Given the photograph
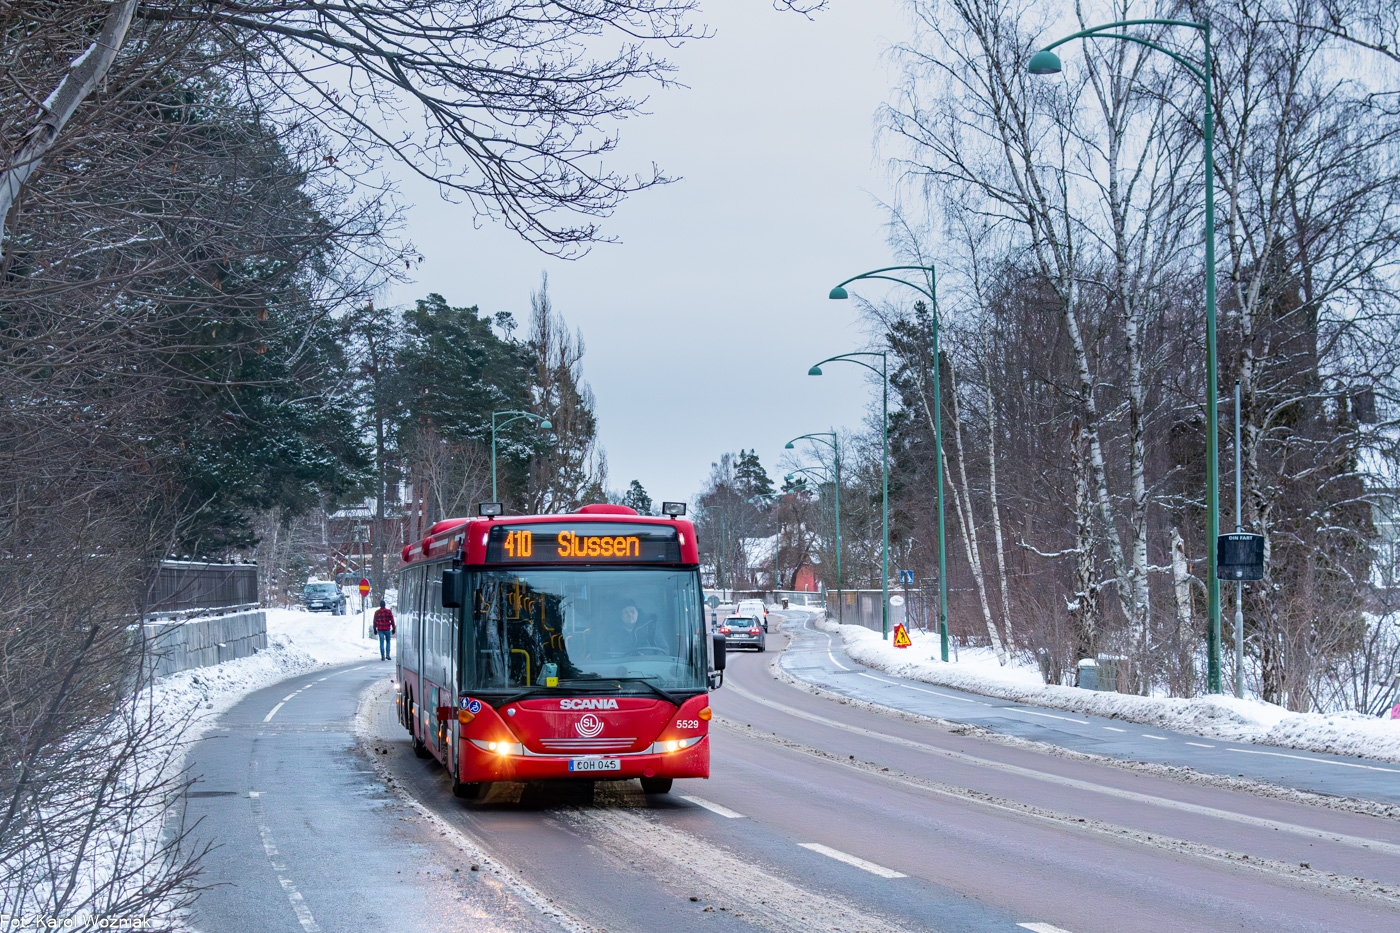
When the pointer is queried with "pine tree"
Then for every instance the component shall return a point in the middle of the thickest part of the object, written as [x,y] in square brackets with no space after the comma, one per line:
[636,497]
[751,478]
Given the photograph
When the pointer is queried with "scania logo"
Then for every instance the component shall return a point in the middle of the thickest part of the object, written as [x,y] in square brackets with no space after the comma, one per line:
[590,703]
[589,725]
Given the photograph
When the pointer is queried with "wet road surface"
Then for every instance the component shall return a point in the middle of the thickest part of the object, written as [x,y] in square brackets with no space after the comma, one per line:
[819,815]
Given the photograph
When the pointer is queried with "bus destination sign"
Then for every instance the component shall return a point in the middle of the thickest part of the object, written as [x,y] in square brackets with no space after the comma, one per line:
[582,543]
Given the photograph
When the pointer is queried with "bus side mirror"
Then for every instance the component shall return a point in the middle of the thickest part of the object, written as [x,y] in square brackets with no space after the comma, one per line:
[720,646]
[452,586]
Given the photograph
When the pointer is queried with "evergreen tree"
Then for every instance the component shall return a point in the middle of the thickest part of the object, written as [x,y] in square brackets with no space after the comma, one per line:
[750,477]
[636,497]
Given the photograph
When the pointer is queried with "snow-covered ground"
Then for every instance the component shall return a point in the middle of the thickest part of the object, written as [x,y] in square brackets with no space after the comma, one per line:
[1221,717]
[297,641]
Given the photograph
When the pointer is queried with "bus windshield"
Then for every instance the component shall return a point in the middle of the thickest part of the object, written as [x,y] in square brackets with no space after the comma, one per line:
[620,630]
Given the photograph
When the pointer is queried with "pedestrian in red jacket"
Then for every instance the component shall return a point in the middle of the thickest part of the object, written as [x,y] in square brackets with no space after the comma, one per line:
[384,627]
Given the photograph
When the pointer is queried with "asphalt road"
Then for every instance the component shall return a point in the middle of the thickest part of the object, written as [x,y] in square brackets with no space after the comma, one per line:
[820,815]
[816,657]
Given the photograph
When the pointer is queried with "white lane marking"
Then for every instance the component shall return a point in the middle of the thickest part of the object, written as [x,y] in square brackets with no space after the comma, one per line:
[274,711]
[1320,761]
[1200,745]
[712,807]
[288,697]
[304,917]
[319,679]
[1308,832]
[808,625]
[895,683]
[849,859]
[1042,928]
[1031,712]
[360,668]
[1114,729]
[1159,738]
[253,793]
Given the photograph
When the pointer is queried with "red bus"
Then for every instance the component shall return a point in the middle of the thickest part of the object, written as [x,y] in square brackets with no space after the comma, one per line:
[548,647]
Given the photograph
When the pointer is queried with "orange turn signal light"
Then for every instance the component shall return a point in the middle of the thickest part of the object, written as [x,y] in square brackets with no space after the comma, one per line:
[465,717]
[705,714]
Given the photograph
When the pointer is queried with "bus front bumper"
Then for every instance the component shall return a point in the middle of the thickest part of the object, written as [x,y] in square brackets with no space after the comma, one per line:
[481,765]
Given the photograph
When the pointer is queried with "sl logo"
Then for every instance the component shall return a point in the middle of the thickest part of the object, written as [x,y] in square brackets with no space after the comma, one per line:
[589,725]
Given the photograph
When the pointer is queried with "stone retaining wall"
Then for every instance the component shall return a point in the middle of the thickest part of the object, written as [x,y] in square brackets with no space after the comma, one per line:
[180,646]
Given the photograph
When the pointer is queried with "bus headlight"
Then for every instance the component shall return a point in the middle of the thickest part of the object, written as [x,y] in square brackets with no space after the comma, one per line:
[674,745]
[499,748]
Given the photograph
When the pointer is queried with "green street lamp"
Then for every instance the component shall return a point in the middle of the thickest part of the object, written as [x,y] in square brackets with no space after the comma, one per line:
[839,292]
[884,374]
[835,445]
[544,426]
[1047,62]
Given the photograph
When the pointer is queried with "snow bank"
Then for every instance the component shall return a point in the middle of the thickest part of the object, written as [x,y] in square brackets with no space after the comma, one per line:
[1220,717]
[297,641]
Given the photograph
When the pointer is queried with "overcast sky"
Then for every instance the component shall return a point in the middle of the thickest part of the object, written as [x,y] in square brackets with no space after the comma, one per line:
[701,322]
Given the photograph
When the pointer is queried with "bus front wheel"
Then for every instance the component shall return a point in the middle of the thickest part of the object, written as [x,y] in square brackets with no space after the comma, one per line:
[471,791]
[656,785]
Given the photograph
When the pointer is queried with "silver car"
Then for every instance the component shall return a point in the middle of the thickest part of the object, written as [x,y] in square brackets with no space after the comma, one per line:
[742,631]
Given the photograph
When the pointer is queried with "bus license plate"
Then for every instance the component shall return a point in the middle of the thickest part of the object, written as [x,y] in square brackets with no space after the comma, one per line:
[595,764]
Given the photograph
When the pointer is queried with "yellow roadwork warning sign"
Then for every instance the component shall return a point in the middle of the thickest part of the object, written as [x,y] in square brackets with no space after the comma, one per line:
[901,637]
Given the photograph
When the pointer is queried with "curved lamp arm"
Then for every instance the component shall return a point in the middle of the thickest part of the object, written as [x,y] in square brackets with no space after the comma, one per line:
[847,357]
[1044,62]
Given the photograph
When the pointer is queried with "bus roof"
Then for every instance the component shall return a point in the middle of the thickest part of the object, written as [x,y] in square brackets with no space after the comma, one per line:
[467,536]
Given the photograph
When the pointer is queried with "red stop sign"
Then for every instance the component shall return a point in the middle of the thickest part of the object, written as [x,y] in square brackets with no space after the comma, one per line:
[364,587]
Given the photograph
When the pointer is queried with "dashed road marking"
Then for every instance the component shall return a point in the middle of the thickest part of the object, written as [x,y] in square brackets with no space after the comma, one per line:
[1159,738]
[895,683]
[1200,745]
[274,858]
[1031,712]
[268,717]
[1114,729]
[849,859]
[1042,928]
[712,807]
[1321,761]
[289,696]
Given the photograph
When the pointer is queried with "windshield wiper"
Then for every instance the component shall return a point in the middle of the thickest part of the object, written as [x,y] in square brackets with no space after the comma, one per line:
[644,681]
[524,694]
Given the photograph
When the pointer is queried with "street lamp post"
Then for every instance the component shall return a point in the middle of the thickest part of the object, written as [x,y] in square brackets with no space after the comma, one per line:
[884,374]
[835,445]
[839,292]
[1047,62]
[544,426]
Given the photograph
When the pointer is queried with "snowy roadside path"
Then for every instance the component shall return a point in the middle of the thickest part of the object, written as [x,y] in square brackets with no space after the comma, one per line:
[297,642]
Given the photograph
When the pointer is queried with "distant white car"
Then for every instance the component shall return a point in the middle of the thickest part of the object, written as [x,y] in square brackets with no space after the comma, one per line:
[754,608]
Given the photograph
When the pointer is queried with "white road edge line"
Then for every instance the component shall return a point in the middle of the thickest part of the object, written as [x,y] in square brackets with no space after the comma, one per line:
[1042,928]
[274,712]
[849,859]
[712,807]
[1321,761]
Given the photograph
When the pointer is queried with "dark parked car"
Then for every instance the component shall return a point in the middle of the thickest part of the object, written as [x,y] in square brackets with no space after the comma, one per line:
[321,596]
[741,631]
